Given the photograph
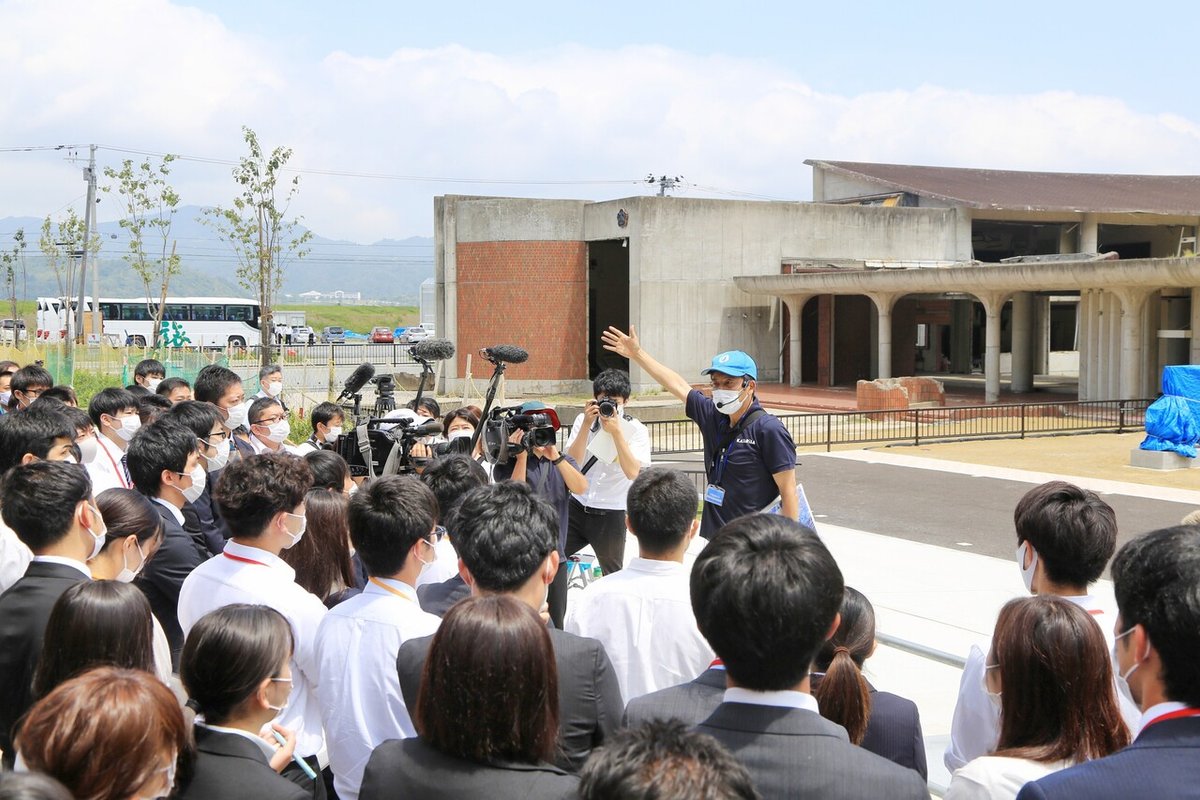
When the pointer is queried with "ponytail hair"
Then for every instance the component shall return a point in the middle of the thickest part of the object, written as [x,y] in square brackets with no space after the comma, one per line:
[843,694]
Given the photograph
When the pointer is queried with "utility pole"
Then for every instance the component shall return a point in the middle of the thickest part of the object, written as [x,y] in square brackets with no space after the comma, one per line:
[89,175]
[664,183]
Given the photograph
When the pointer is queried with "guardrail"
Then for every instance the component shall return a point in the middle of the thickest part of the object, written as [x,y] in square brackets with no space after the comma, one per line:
[916,425]
[342,355]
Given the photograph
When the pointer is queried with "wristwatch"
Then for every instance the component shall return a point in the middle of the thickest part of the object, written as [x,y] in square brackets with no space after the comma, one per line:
[561,458]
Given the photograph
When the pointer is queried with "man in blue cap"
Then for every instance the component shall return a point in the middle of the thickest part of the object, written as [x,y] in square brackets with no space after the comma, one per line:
[749,457]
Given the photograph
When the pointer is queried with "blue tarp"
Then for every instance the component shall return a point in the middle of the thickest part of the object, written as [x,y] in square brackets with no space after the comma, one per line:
[1173,420]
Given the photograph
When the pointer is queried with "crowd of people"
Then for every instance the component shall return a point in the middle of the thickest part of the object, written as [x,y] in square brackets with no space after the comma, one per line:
[193,606]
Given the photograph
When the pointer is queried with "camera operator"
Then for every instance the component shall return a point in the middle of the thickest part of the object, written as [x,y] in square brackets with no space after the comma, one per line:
[554,476]
[597,516]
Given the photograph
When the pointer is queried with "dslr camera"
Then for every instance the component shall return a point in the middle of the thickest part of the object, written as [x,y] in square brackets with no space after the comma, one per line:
[607,408]
[540,425]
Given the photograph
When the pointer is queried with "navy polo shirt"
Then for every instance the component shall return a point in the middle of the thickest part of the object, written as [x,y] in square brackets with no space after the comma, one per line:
[760,450]
[548,482]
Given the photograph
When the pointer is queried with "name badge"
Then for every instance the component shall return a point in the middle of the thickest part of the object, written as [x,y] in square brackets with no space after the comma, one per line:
[714,495]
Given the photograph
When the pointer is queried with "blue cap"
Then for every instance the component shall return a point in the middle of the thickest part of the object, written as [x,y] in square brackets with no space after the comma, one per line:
[734,363]
[532,405]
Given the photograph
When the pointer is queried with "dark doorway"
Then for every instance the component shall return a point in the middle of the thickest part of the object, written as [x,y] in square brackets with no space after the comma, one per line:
[608,300]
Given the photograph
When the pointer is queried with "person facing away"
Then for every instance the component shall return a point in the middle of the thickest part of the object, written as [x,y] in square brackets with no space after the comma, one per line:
[643,614]
[392,527]
[766,594]
[486,714]
[1157,638]
[884,723]
[1065,537]
[1049,671]
[450,478]
[507,540]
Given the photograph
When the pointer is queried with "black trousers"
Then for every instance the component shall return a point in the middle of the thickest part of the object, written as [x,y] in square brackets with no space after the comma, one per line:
[604,530]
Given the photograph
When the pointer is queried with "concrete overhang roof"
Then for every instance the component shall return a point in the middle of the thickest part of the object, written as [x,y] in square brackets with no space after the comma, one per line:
[1146,273]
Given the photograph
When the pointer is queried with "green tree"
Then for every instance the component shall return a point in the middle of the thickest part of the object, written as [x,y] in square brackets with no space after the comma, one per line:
[149,209]
[62,244]
[257,228]
[9,260]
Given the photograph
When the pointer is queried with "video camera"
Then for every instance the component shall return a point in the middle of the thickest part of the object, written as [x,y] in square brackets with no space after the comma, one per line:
[540,425]
[389,442]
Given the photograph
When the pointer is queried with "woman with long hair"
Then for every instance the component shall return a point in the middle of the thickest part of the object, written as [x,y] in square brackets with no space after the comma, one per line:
[108,734]
[490,663]
[235,670]
[321,558]
[884,723]
[330,471]
[95,623]
[1050,672]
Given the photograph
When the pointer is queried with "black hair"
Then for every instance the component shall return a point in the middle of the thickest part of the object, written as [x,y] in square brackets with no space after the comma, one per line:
[663,760]
[163,445]
[1156,578]
[259,407]
[450,478]
[466,413]
[428,404]
[152,406]
[329,470]
[325,413]
[195,416]
[612,383]
[503,533]
[128,513]
[149,366]
[171,384]
[79,419]
[63,393]
[387,517]
[40,500]
[28,377]
[662,506]
[34,431]
[109,402]
[137,390]
[1072,529]
[843,695]
[765,592]
[254,489]
[229,652]
[212,382]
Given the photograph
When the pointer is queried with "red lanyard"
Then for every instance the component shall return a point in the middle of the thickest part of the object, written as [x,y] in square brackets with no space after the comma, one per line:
[1180,714]
[116,467]
[244,560]
[716,662]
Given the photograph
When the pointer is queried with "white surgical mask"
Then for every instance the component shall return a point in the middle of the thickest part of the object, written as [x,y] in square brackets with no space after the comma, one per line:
[237,416]
[193,492]
[274,388]
[5,398]
[88,448]
[1122,680]
[152,384]
[353,489]
[425,565]
[278,431]
[126,575]
[220,459]
[333,433]
[726,400]
[126,426]
[1027,572]
[461,433]
[98,539]
[298,535]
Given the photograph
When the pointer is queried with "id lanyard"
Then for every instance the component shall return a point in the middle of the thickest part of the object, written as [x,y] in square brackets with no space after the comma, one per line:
[1180,714]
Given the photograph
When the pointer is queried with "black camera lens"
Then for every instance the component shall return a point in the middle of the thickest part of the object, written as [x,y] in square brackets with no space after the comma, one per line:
[607,408]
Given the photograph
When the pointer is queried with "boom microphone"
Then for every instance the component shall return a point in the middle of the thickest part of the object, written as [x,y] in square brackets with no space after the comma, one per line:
[357,380]
[507,353]
[433,350]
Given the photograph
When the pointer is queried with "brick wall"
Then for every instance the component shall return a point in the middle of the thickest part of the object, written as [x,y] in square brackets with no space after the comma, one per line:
[530,294]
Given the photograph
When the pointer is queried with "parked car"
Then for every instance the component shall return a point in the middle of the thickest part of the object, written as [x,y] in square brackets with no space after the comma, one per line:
[414,334]
[382,334]
[7,329]
[333,335]
[302,334]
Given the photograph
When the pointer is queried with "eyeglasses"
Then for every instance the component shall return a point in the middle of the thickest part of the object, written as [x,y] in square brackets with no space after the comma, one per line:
[220,436]
[438,534]
[269,420]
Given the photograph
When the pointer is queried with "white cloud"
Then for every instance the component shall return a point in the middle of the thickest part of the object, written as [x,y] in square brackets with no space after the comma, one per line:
[148,74]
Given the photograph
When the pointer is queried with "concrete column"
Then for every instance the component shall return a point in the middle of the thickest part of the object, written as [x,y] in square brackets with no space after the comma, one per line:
[1133,303]
[1089,234]
[1066,238]
[993,302]
[1112,332]
[883,305]
[1022,343]
[1195,359]
[795,305]
[962,322]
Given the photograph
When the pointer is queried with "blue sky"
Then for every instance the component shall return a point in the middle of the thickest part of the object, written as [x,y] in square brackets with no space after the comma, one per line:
[539,95]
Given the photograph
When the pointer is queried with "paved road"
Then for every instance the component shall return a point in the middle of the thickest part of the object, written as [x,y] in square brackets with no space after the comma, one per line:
[942,508]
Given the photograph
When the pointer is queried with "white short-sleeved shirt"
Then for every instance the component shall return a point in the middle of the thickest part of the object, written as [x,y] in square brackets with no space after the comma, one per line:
[244,574]
[360,697]
[105,469]
[14,557]
[997,777]
[643,617]
[607,483]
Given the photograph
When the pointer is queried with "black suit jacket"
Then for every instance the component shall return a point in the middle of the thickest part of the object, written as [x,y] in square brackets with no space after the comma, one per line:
[894,731]
[411,768]
[180,552]
[228,765]
[589,696]
[24,612]
[1164,761]
[437,598]
[689,702]
[792,752]
[208,516]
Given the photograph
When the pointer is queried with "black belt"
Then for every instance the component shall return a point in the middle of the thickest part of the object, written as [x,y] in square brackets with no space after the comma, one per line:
[597,511]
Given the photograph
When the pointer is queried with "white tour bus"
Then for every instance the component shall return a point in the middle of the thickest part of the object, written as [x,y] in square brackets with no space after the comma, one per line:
[191,321]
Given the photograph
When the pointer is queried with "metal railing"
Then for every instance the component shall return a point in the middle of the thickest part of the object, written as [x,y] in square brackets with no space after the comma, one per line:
[916,425]
[342,355]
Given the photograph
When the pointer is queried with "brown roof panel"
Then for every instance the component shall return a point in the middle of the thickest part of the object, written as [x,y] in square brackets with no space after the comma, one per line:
[1033,191]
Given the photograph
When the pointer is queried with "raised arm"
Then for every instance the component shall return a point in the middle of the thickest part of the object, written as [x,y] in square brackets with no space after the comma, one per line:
[627,345]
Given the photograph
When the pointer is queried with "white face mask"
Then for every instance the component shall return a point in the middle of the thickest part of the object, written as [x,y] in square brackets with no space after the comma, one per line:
[298,535]
[333,433]
[726,400]
[5,398]
[237,416]
[98,539]
[199,479]
[1123,679]
[219,460]
[88,448]
[152,384]
[125,427]
[1027,572]
[425,565]
[126,575]
[274,388]
[278,431]
[353,489]
[461,433]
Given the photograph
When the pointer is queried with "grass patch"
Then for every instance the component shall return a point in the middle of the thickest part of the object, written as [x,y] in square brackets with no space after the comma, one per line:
[359,319]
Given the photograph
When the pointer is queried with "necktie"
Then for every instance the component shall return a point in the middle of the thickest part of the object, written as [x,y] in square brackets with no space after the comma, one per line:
[125,471]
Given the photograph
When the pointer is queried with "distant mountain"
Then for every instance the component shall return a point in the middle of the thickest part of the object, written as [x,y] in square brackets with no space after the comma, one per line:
[386,270]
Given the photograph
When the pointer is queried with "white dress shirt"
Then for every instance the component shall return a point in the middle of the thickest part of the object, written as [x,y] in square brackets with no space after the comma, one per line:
[1157,710]
[975,728]
[361,702]
[444,566]
[607,483]
[176,511]
[225,580]
[259,448]
[66,562]
[998,777]
[105,469]
[267,749]
[14,557]
[643,617]
[780,699]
